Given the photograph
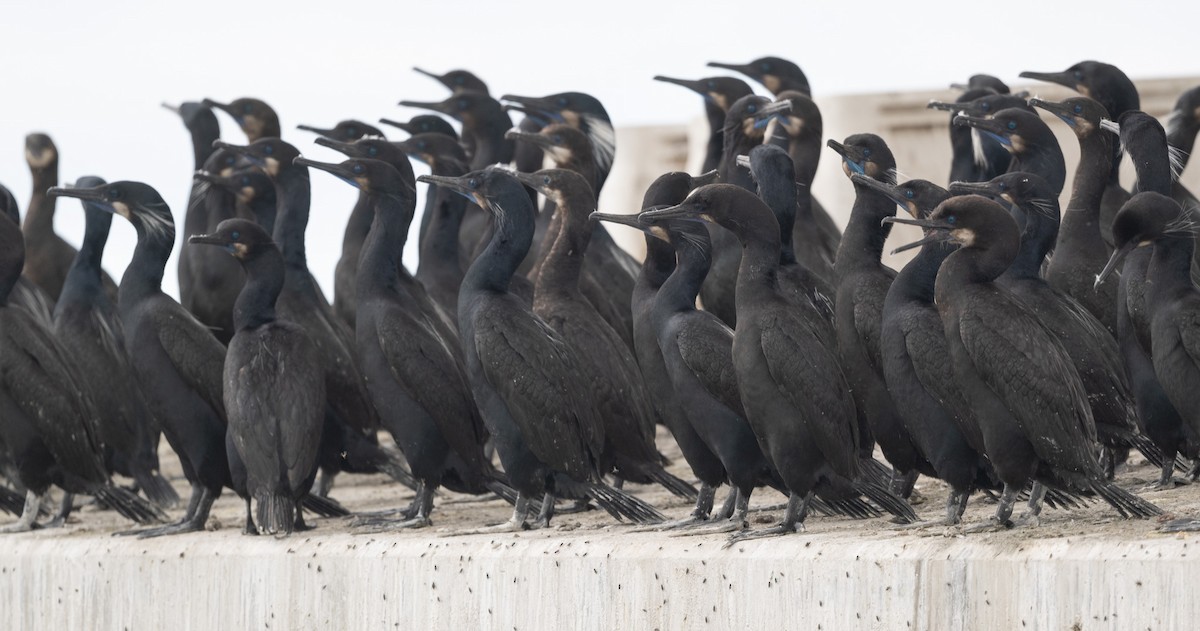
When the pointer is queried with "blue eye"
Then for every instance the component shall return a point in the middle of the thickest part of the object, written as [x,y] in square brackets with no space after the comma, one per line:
[420,144]
[562,101]
[950,219]
[114,193]
[473,183]
[985,106]
[268,149]
[1012,125]
[462,104]
[230,160]
[765,67]
[358,169]
[236,235]
[247,108]
[352,131]
[546,180]
[1002,186]
[1078,75]
[245,180]
[752,108]
[372,151]
[908,193]
[1078,109]
[556,139]
[711,85]
[458,80]
[866,153]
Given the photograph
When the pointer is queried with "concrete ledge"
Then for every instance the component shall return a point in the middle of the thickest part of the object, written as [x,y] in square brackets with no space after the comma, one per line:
[600,579]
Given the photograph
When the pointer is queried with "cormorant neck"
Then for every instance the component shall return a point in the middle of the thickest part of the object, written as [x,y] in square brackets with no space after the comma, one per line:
[1037,239]
[1183,138]
[916,280]
[862,242]
[255,305]
[962,148]
[513,234]
[761,249]
[85,278]
[145,272]
[202,145]
[379,263]
[658,264]
[679,291]
[737,143]
[805,151]
[293,194]
[441,236]
[973,265]
[1045,160]
[359,223]
[780,196]
[716,135]
[39,216]
[1170,267]
[491,147]
[562,264]
[1091,177]
[1153,167]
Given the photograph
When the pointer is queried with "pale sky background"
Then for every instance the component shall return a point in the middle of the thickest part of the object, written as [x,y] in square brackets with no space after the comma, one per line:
[92,74]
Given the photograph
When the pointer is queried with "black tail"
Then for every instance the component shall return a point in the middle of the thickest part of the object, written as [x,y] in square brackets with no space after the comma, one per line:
[276,514]
[882,495]
[876,471]
[502,490]
[854,508]
[671,483]
[323,506]
[1061,500]
[1126,503]
[621,505]
[11,501]
[1148,449]
[156,488]
[129,505]
[391,462]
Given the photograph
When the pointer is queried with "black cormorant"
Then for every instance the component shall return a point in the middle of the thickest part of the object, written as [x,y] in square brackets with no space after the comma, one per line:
[775,74]
[719,93]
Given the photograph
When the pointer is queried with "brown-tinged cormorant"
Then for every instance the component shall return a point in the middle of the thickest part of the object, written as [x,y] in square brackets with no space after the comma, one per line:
[1028,138]
[254,116]
[775,74]
[719,94]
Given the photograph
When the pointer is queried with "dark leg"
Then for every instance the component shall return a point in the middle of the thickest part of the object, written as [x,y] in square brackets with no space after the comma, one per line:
[547,512]
[324,483]
[517,523]
[735,522]
[700,514]
[64,511]
[421,507]
[250,528]
[300,526]
[27,522]
[618,482]
[956,505]
[793,521]
[385,517]
[1109,462]
[1032,517]
[1003,512]
[902,484]
[727,506]
[195,523]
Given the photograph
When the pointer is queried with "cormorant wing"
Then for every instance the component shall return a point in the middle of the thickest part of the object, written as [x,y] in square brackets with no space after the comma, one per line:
[197,355]
[789,348]
[1030,371]
[868,321]
[425,368]
[925,342]
[1189,330]
[36,376]
[526,362]
[707,350]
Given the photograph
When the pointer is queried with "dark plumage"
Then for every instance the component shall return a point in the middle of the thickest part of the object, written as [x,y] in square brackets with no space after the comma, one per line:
[25,294]
[775,74]
[719,93]
[976,157]
[1026,136]
[526,381]
[1031,406]
[423,124]
[256,118]
[177,361]
[274,387]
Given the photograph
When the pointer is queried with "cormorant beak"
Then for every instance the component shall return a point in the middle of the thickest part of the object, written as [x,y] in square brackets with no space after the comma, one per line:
[944,106]
[973,188]
[838,147]
[536,140]
[695,86]
[205,176]
[173,108]
[534,106]
[937,231]
[704,179]
[328,167]
[224,107]
[1054,108]
[529,180]
[336,145]
[763,116]
[458,185]
[1111,127]
[316,130]
[883,188]
[397,124]
[207,239]
[633,221]
[1113,261]
[683,210]
[743,161]
[960,86]
[1059,78]
[440,107]
[240,150]
[94,194]
[852,156]
[742,68]
[436,77]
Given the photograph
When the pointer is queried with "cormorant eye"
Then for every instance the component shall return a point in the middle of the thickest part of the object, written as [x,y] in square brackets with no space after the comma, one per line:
[235,235]
[711,85]
[424,126]
[114,193]
[245,180]
[1078,109]
[372,151]
[950,219]
[1002,186]
[866,153]
[473,183]
[247,108]
[358,169]
[765,67]
[1078,75]
[458,80]
[1012,125]
[546,180]
[353,131]
[908,193]
[985,106]
[230,160]
[752,108]
[420,144]
[557,139]
[562,101]
[462,104]
[269,149]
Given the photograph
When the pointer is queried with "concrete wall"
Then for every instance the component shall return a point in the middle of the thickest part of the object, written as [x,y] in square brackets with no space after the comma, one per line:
[597,580]
[919,138]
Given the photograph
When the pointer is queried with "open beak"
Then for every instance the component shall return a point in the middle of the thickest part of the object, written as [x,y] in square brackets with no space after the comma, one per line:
[937,231]
[1113,262]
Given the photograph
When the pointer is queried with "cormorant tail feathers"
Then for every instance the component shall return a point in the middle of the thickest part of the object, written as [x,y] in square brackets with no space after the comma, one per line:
[129,505]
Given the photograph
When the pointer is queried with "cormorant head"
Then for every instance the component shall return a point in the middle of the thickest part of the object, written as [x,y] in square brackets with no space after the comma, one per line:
[465,107]
[982,82]
[970,221]
[435,150]
[223,162]
[671,188]
[8,205]
[1185,117]
[1144,219]
[255,117]
[137,202]
[245,184]
[1143,136]
[423,124]
[375,177]
[768,163]
[1081,113]
[457,81]
[581,111]
[1015,129]
[720,91]
[774,73]
[867,154]
[1089,78]
[242,238]
[917,197]
[40,152]
[561,142]
[345,131]
[557,184]
[1029,192]
[272,155]
[726,205]
[803,120]
[753,113]
[373,149]
[983,105]
[483,186]
[197,117]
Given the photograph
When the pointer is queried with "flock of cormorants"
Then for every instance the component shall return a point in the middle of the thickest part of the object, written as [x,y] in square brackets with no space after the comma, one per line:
[1023,352]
